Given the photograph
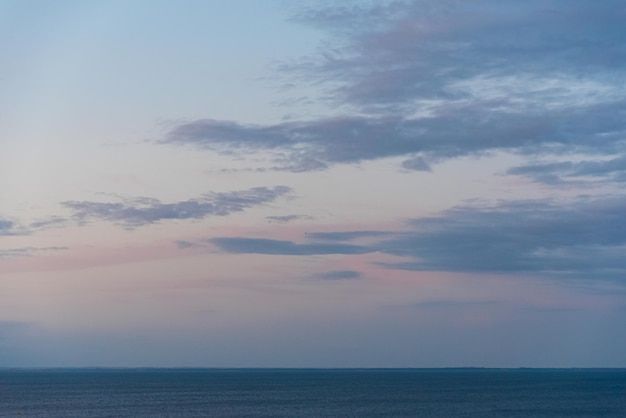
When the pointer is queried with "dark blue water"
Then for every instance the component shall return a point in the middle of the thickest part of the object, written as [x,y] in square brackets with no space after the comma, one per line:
[312,393]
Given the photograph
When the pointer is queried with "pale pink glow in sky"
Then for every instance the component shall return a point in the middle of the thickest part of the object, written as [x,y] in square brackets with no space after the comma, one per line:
[347,184]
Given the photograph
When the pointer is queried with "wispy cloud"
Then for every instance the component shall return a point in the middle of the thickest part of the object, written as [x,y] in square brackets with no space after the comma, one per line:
[132,213]
[287,218]
[22,227]
[52,222]
[560,172]
[431,81]
[345,235]
[27,251]
[240,245]
[339,275]
[184,244]
[7,227]
[448,304]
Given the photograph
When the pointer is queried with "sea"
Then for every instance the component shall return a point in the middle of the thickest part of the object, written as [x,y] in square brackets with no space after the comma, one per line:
[359,393]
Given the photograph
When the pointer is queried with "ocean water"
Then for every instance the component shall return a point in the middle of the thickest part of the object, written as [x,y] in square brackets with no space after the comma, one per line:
[312,393]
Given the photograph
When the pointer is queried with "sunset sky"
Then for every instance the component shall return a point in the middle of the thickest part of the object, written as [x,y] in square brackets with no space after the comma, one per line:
[245,183]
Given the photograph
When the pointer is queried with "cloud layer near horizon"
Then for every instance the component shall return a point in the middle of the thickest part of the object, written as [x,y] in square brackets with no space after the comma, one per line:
[581,238]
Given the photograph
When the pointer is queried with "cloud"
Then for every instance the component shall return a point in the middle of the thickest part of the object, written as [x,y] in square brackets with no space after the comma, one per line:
[339,275]
[613,170]
[287,218]
[585,237]
[396,52]
[7,227]
[51,222]
[450,131]
[27,251]
[240,245]
[435,80]
[133,213]
[345,235]
[454,303]
[447,304]
[183,244]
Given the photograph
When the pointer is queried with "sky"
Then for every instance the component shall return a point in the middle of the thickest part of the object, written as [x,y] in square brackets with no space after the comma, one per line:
[242,183]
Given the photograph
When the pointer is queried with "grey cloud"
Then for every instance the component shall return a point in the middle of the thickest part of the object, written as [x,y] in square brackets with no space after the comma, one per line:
[240,245]
[27,251]
[399,51]
[144,211]
[23,228]
[7,227]
[583,238]
[345,235]
[454,303]
[347,17]
[416,164]
[557,172]
[51,222]
[586,237]
[451,132]
[183,244]
[287,218]
[447,304]
[431,81]
[308,145]
[339,275]
[252,137]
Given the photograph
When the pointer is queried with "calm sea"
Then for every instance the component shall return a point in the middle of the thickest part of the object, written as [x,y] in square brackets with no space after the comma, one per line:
[312,393]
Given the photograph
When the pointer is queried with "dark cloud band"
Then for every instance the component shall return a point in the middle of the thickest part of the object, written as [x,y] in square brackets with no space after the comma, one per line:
[585,237]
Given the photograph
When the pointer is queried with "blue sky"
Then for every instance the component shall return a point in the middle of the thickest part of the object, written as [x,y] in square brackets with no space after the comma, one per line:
[312,183]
